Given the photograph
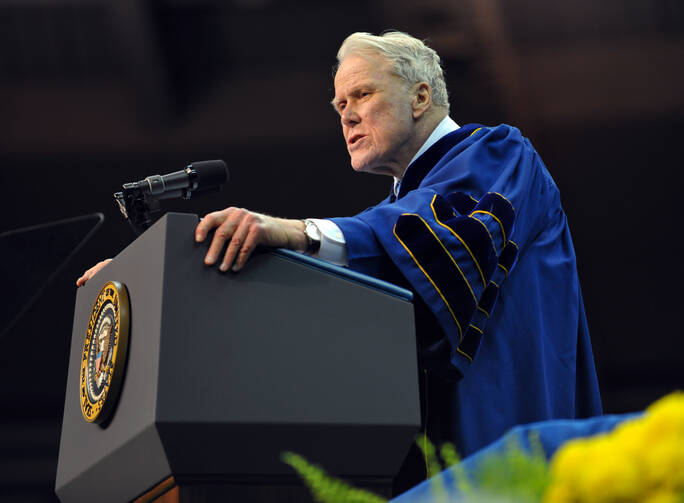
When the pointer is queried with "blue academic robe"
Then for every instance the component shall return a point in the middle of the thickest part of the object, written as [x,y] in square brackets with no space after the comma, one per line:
[478,232]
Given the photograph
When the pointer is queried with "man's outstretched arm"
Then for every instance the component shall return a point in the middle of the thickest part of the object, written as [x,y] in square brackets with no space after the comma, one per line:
[243,231]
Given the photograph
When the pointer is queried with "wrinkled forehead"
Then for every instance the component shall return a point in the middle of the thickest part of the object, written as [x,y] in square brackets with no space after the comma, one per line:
[359,66]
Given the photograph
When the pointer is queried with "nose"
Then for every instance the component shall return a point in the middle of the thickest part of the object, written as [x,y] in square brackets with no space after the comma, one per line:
[349,117]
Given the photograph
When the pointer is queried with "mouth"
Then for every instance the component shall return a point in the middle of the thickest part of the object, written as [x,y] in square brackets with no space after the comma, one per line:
[354,138]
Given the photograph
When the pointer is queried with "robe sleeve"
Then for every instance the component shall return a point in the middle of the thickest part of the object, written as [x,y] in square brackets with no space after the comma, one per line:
[455,237]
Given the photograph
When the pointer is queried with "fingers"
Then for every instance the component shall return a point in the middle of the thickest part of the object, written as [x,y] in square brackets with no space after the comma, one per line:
[233,226]
[251,241]
[92,272]
[236,241]
[224,232]
[209,222]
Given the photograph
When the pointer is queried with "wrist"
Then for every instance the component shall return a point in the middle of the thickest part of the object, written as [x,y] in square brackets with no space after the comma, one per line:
[301,236]
[296,235]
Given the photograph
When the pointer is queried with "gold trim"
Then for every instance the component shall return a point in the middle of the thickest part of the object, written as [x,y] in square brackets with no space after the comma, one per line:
[432,205]
[451,257]
[476,328]
[502,267]
[470,358]
[503,232]
[505,199]
[491,239]
[485,312]
[471,134]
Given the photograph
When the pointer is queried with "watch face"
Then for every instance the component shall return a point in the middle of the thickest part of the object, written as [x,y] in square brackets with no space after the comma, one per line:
[313,231]
[313,237]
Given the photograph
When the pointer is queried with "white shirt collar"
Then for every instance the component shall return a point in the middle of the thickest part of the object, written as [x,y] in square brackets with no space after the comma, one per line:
[443,128]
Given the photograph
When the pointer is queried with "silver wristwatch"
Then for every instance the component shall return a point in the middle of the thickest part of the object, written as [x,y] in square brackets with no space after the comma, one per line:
[313,237]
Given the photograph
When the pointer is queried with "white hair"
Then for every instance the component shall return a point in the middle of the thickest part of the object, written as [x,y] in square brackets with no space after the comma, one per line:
[411,59]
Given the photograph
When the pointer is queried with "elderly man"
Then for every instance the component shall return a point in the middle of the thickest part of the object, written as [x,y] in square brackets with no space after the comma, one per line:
[473,225]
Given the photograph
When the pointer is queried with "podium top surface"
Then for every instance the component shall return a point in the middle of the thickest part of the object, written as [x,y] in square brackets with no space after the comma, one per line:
[343,272]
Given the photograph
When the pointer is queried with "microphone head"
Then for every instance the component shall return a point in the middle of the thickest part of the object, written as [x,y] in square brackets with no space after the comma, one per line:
[210,174]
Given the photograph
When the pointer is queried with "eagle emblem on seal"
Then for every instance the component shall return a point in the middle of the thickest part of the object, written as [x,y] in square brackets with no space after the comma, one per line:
[104,352]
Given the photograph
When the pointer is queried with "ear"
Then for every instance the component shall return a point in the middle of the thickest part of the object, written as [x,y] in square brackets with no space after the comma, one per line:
[421,99]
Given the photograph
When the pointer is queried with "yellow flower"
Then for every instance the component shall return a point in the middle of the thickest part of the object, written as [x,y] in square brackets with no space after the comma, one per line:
[611,476]
[663,497]
[674,400]
[558,493]
[570,460]
[664,435]
[642,460]
[593,472]
[664,464]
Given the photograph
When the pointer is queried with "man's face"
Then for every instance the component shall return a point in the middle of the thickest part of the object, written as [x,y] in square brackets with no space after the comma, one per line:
[376,115]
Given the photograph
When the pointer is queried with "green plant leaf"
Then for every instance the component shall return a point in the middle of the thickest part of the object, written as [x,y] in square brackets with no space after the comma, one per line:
[327,489]
[516,473]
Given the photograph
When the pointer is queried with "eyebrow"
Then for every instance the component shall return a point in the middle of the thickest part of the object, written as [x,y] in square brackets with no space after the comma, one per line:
[356,93]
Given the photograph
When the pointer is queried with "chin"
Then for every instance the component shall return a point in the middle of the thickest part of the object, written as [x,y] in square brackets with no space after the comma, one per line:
[373,170]
[360,166]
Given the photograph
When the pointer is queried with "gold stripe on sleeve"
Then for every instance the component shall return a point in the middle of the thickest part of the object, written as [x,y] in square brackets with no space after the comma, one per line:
[432,205]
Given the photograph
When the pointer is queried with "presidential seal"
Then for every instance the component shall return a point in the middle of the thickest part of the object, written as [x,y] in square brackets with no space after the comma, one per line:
[104,352]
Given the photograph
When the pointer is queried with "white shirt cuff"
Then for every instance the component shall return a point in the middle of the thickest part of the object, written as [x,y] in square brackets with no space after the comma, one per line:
[333,245]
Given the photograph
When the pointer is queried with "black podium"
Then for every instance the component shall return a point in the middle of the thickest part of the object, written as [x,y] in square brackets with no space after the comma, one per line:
[226,371]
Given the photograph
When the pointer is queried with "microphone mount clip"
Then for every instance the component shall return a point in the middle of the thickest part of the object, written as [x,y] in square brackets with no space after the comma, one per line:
[137,207]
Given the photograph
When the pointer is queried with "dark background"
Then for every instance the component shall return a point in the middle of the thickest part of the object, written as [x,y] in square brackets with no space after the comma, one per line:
[97,93]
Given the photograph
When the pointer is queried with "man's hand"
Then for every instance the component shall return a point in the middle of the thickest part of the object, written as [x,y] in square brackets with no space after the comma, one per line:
[243,230]
[92,272]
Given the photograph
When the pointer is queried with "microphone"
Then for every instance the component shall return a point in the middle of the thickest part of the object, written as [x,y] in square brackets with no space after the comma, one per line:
[198,177]
[139,200]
